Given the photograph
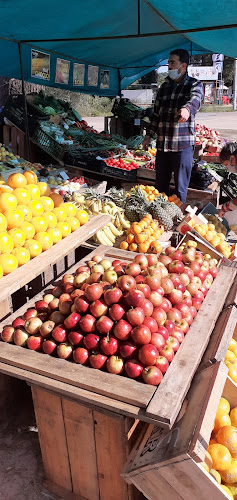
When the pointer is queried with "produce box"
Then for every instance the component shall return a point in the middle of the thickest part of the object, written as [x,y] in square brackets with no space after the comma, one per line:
[201,246]
[166,464]
[210,209]
[24,274]
[117,393]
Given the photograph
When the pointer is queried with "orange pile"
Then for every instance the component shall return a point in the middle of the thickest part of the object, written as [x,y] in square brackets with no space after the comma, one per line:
[143,236]
[231,360]
[221,456]
[217,240]
[32,219]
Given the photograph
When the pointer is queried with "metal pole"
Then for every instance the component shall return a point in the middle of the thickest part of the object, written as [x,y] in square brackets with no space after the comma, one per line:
[235,86]
[25,105]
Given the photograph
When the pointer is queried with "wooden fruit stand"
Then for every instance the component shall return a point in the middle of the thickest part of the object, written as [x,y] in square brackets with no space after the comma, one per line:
[89,420]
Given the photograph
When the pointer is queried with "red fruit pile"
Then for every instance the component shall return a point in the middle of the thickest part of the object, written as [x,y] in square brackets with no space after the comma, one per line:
[127,319]
[120,163]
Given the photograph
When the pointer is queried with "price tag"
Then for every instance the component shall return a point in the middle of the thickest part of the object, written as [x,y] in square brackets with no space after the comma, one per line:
[137,121]
[64,175]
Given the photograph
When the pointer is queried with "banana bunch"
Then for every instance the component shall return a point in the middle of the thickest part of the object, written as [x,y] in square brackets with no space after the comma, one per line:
[113,229]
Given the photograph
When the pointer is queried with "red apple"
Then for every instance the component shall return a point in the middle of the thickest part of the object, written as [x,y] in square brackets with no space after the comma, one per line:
[159,315]
[175,278]
[183,308]
[94,278]
[97,360]
[112,296]
[48,298]
[7,334]
[140,279]
[116,312]
[49,346]
[148,308]
[189,255]
[141,335]
[65,306]
[59,333]
[127,349]
[126,283]
[156,298]
[181,287]
[75,337]
[68,288]
[57,317]
[168,353]
[97,258]
[104,325]
[197,304]
[46,329]
[167,285]
[34,342]
[165,259]
[116,262]
[94,292]
[175,296]
[170,326]
[162,330]
[122,330]
[145,289]
[173,343]
[162,363]
[20,337]
[183,325]
[176,266]
[80,279]
[54,305]
[68,278]
[196,268]
[30,313]
[203,289]
[152,375]
[213,272]
[87,323]
[170,250]
[81,304]
[71,321]
[98,308]
[133,269]
[189,318]
[135,298]
[152,259]
[77,293]
[199,258]
[133,368]
[57,291]
[109,345]
[193,311]
[115,364]
[81,355]
[158,341]
[153,281]
[179,335]
[192,288]
[91,341]
[135,316]
[64,296]
[148,354]
[142,261]
[111,276]
[166,304]
[151,324]
[187,299]
[82,269]
[184,279]
[174,315]
[18,322]
[189,272]
[33,325]
[177,255]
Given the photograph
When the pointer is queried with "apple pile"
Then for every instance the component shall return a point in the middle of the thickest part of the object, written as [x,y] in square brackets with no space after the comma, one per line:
[128,319]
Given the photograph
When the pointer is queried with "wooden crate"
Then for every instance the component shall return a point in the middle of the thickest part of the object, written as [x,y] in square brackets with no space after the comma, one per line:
[83,448]
[131,398]
[172,457]
[45,261]
[201,246]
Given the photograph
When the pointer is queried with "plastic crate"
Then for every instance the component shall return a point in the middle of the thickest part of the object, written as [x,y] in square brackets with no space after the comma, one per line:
[49,144]
[130,175]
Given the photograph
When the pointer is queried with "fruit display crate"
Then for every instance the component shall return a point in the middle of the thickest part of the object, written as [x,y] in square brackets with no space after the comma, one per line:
[166,464]
[45,261]
[120,394]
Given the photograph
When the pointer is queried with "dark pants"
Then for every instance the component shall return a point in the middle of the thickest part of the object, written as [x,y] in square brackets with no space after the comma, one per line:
[181,164]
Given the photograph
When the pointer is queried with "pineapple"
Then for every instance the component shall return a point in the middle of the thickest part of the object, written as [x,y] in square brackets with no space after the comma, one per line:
[163,217]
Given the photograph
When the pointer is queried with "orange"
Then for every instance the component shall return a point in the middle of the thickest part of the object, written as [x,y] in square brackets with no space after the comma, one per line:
[224,405]
[14,218]
[8,263]
[220,455]
[207,462]
[124,245]
[47,203]
[230,356]
[44,189]
[73,223]
[45,239]
[57,199]
[55,234]
[232,371]
[233,489]
[40,224]
[36,207]
[215,241]
[3,223]
[216,475]
[16,180]
[1,272]
[6,243]
[70,209]
[28,230]
[136,228]
[7,201]
[222,419]
[34,191]
[34,247]
[17,236]
[130,238]
[155,247]
[64,228]
[143,248]
[233,417]
[82,216]
[133,247]
[227,490]
[209,235]
[228,437]
[211,227]
[50,218]
[22,195]
[232,345]
[26,211]
[140,238]
[4,188]
[22,255]
[229,475]
[60,213]
[30,176]
[212,441]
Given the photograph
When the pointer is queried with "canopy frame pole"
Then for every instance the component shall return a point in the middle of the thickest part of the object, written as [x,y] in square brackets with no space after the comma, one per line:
[27,133]
[138,18]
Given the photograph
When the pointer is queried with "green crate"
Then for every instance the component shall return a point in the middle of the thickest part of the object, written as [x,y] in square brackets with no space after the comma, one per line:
[49,144]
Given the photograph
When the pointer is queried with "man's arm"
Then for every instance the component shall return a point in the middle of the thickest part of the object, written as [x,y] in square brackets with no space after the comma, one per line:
[196,95]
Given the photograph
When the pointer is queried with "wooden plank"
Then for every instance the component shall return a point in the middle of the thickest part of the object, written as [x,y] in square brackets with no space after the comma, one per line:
[122,388]
[170,394]
[21,144]
[111,452]
[5,307]
[14,140]
[79,425]
[60,266]
[52,437]
[26,273]
[6,135]
[48,275]
[155,487]
[201,246]
[61,492]
[223,331]
[230,392]
[71,259]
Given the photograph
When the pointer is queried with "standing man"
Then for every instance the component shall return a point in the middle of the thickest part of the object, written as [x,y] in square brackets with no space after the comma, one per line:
[178,100]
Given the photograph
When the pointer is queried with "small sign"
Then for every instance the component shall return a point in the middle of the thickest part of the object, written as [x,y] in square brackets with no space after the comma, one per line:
[62,71]
[104,79]
[203,72]
[92,78]
[40,65]
[63,174]
[78,74]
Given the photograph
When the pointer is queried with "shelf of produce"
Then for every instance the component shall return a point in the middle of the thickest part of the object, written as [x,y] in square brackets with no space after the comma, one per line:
[45,261]
[130,398]
[170,459]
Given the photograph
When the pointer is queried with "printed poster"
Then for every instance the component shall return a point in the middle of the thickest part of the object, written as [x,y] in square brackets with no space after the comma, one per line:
[62,71]
[40,65]
[104,79]
[92,78]
[78,74]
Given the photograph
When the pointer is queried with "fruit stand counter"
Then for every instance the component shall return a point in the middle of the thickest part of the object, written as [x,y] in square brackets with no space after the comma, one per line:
[89,420]
[44,262]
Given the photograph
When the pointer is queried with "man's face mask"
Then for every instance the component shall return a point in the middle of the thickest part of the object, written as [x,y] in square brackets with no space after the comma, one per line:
[174,73]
